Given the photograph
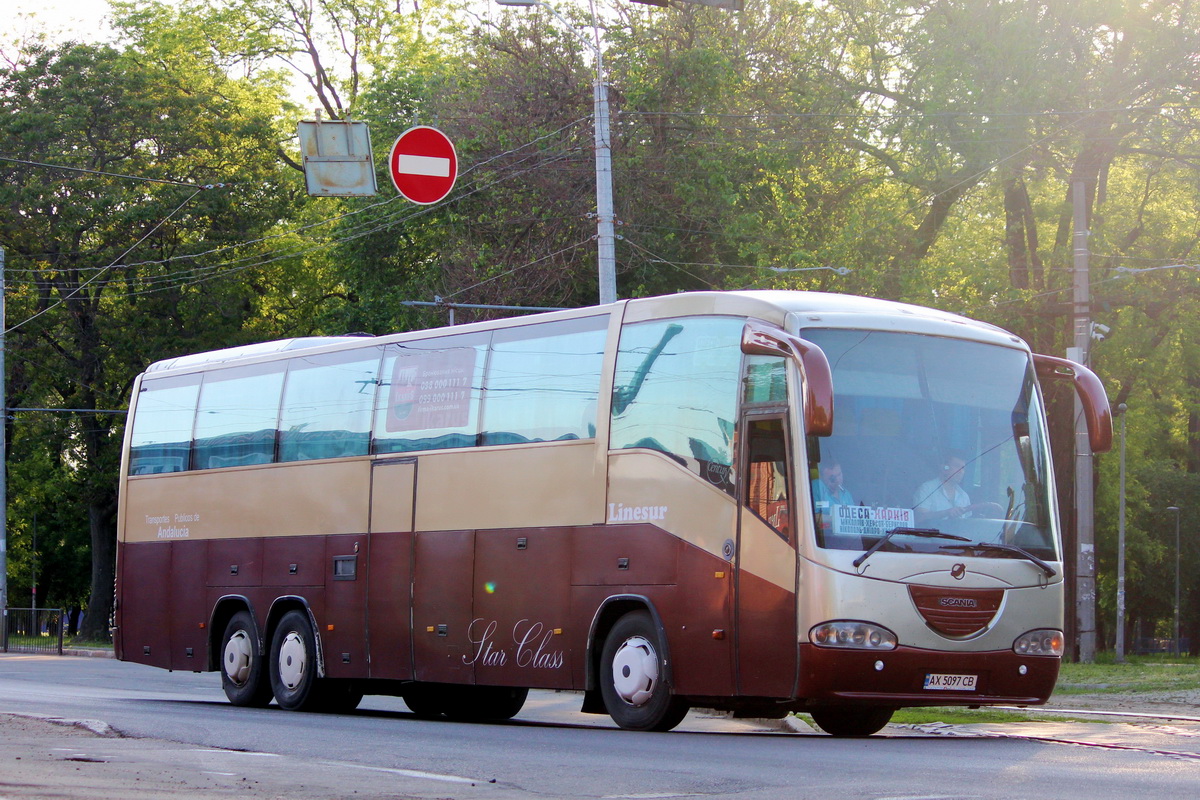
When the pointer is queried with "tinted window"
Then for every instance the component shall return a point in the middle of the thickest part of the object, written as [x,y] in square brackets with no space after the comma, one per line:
[542,382]
[238,412]
[161,439]
[429,394]
[676,391]
[766,380]
[932,433]
[768,483]
[327,404]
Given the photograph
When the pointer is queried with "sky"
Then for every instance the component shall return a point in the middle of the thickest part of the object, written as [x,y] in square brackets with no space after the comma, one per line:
[79,18]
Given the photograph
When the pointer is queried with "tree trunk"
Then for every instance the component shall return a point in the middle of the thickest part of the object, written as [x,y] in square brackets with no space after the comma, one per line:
[96,622]
[924,237]
[1014,234]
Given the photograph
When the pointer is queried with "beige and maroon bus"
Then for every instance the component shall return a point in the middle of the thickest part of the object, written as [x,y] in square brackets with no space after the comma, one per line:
[762,502]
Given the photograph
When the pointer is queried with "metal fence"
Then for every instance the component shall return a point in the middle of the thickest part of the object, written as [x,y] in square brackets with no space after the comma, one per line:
[32,630]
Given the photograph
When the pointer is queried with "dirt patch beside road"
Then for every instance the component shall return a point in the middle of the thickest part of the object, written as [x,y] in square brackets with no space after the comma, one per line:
[1177,702]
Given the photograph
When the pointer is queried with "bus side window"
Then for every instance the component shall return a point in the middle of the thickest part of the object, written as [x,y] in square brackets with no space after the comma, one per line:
[768,492]
[676,391]
[542,382]
[327,405]
[161,440]
[429,394]
[238,416]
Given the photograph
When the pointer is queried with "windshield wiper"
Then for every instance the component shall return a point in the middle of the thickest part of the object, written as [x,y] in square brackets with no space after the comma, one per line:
[1011,548]
[925,533]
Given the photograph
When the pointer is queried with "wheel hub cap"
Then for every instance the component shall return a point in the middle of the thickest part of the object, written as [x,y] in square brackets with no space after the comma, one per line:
[635,670]
[293,658]
[238,658]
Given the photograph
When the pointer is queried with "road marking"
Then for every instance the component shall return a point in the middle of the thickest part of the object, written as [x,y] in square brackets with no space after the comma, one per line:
[412,773]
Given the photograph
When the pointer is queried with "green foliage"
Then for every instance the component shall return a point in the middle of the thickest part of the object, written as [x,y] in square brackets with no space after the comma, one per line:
[104,272]
[915,152]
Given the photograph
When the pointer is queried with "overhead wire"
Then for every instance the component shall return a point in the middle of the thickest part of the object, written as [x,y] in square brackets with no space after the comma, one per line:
[195,275]
[75,292]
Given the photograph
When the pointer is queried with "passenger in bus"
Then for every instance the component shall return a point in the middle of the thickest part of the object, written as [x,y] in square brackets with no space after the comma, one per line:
[943,498]
[829,489]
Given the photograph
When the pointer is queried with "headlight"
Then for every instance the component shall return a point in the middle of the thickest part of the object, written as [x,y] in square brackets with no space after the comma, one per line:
[1039,643]
[853,635]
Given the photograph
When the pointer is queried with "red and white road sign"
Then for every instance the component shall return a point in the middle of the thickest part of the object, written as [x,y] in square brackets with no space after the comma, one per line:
[423,164]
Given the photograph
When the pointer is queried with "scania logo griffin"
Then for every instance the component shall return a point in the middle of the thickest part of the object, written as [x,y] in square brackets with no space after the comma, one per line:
[958,602]
[958,571]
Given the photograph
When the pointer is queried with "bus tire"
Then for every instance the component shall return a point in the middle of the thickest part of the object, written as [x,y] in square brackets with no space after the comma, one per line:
[424,700]
[293,663]
[338,696]
[481,703]
[852,720]
[243,669]
[632,672]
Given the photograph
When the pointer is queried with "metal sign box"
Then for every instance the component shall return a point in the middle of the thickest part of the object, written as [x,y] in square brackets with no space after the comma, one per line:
[337,158]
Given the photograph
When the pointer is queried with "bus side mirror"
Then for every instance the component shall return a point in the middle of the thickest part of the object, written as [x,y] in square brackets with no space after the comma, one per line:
[760,340]
[1096,409]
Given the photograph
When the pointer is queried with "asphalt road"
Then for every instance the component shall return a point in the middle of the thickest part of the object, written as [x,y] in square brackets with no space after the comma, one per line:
[173,735]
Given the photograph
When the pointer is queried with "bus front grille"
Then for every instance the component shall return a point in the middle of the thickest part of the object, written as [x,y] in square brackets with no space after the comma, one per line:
[957,613]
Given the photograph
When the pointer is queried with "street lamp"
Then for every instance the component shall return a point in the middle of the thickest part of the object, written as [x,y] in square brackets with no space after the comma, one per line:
[605,236]
[1176,627]
[1120,645]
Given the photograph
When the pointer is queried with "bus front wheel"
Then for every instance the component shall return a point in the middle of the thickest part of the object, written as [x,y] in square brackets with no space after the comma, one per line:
[851,720]
[243,674]
[632,677]
[294,663]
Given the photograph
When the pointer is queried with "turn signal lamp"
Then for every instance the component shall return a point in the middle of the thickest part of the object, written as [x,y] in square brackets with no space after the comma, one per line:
[852,635]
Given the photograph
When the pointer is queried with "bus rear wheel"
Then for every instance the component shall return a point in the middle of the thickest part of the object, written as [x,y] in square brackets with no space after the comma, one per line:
[632,677]
[852,720]
[294,663]
[243,674]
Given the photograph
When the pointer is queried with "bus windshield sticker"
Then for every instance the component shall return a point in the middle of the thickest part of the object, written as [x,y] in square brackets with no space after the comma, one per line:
[867,521]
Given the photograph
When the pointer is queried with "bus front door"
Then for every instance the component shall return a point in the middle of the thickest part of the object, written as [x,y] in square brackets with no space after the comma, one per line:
[765,591]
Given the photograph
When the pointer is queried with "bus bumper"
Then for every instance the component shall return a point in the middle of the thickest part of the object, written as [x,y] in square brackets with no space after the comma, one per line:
[901,677]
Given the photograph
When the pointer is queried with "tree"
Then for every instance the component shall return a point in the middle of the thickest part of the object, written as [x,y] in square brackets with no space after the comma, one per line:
[106,269]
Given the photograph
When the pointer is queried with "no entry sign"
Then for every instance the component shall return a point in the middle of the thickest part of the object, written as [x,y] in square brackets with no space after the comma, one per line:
[423,164]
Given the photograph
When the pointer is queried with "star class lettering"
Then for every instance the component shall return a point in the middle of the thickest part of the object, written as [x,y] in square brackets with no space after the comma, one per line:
[530,646]
[619,512]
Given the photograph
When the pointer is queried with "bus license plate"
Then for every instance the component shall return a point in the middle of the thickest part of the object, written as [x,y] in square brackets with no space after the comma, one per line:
[956,683]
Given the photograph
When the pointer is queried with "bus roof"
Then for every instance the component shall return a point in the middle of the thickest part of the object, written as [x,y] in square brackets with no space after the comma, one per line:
[791,310]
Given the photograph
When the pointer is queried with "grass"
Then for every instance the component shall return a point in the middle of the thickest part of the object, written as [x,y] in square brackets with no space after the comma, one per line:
[1158,673]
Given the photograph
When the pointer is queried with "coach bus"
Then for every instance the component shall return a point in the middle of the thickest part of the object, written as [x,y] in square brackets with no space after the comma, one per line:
[761,502]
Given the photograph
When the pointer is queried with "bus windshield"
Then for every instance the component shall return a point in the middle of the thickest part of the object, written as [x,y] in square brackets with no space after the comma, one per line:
[938,446]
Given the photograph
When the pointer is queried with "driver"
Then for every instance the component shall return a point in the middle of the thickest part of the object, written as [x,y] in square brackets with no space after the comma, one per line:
[943,497]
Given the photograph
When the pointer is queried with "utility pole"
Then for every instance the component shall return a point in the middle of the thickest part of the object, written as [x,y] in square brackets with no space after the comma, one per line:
[1175,626]
[606,251]
[1120,643]
[1085,535]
